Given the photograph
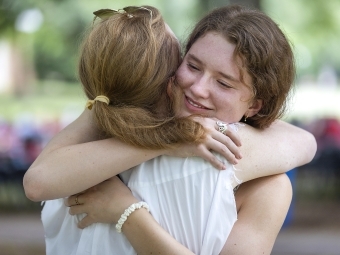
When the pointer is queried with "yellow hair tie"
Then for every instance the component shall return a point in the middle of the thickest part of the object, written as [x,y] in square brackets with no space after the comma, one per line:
[103,99]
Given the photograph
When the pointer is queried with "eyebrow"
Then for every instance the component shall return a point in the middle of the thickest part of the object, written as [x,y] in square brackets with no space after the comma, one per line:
[226,76]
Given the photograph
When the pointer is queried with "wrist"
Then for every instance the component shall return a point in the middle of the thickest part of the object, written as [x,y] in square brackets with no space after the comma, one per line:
[172,152]
[129,212]
[137,221]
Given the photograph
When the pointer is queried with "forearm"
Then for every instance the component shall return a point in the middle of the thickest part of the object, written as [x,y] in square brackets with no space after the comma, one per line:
[148,237]
[72,169]
[107,201]
[73,162]
[277,149]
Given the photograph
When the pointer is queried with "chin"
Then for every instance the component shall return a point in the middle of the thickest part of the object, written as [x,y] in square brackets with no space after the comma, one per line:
[181,114]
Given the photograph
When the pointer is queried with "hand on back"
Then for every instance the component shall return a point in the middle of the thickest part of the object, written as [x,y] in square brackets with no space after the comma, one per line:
[111,194]
[226,144]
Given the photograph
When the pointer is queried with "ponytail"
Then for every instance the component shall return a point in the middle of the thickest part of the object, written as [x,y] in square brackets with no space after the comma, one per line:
[141,128]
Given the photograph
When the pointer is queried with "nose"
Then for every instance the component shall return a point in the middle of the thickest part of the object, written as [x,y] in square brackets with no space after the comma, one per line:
[200,87]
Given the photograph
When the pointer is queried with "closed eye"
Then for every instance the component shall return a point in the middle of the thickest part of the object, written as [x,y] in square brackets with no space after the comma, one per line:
[224,84]
[193,67]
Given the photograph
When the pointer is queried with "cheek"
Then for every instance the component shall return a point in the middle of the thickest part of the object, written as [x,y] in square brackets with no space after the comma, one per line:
[182,77]
[229,109]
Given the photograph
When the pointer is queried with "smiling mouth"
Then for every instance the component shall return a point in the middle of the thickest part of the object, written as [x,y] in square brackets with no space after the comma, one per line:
[195,104]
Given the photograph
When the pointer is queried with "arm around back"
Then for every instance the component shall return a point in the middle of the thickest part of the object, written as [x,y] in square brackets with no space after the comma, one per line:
[276,149]
[75,160]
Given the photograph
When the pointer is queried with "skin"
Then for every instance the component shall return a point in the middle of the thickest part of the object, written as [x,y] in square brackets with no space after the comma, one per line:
[205,88]
[76,150]
[211,82]
[197,99]
[262,205]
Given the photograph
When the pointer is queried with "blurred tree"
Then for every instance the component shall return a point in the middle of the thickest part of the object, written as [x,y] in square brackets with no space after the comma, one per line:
[210,4]
[9,10]
[58,40]
[250,3]
[314,29]
[54,47]
[206,5]
[22,73]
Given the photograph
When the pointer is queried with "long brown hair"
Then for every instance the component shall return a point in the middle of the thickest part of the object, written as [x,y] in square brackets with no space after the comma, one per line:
[129,58]
[265,52]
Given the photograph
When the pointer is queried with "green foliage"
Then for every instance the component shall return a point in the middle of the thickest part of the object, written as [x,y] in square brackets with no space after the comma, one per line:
[9,10]
[312,26]
[49,100]
[314,29]
[55,45]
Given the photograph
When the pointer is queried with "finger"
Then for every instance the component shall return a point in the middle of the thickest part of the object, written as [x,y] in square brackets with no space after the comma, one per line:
[77,209]
[212,159]
[85,222]
[235,137]
[225,146]
[229,131]
[70,201]
[73,200]
[226,154]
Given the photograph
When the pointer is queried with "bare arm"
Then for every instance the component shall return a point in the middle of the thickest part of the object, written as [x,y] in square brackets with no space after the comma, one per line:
[143,232]
[300,155]
[277,149]
[262,206]
[259,220]
[148,237]
[75,160]
[274,150]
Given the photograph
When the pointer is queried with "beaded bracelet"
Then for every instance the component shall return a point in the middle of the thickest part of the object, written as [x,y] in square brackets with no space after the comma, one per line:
[127,213]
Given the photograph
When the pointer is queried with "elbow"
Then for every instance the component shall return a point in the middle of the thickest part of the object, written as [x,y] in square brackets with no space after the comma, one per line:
[311,147]
[33,187]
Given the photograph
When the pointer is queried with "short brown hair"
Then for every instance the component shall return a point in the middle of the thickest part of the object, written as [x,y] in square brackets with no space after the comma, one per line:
[264,50]
[129,58]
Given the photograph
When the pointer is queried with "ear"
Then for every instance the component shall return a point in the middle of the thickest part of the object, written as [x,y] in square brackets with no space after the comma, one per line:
[254,108]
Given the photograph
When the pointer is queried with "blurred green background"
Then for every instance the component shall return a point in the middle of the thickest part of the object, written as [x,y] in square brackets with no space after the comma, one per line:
[40,94]
[39,48]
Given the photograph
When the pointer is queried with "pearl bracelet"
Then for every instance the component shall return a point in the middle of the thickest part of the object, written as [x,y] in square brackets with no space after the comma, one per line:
[127,213]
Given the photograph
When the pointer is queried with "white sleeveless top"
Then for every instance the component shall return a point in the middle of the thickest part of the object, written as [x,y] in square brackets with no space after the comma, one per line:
[189,198]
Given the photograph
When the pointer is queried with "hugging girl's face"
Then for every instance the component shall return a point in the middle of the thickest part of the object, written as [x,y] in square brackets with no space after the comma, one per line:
[211,81]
